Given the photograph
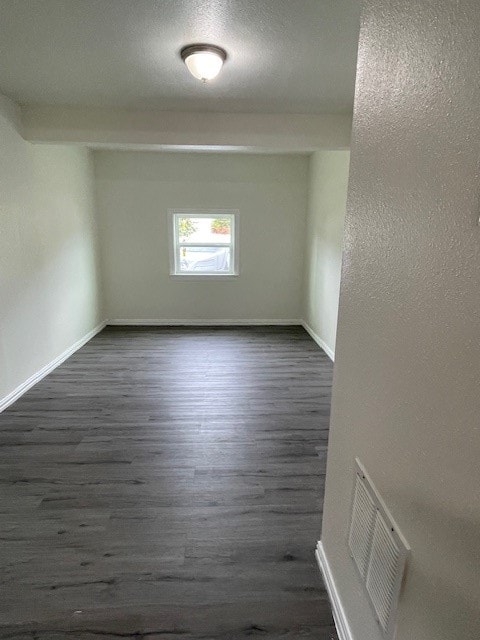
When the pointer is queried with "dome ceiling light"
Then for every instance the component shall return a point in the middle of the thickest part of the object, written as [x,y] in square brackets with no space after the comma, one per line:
[204,61]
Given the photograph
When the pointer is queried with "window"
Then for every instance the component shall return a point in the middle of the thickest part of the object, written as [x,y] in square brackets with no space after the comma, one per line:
[204,243]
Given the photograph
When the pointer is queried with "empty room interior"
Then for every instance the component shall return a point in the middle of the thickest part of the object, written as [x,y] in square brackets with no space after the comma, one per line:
[239,319]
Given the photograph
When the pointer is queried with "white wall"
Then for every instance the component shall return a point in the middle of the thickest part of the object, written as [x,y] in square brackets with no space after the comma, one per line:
[49,294]
[134,193]
[328,180]
[154,129]
[406,396]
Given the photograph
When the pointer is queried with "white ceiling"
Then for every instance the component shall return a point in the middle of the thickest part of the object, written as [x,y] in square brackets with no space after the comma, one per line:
[285,56]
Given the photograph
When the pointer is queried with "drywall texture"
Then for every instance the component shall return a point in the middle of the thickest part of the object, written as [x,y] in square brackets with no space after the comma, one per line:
[328,180]
[136,128]
[135,192]
[282,56]
[49,294]
[406,394]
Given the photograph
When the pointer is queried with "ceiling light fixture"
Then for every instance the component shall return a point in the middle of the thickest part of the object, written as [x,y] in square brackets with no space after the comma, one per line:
[204,61]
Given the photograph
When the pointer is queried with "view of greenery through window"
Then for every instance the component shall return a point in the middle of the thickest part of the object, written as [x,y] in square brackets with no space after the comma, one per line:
[204,244]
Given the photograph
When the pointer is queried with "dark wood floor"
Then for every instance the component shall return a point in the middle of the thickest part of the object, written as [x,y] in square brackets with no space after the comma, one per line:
[167,483]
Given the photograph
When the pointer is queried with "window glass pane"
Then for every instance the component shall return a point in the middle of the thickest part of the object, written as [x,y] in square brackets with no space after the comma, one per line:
[205,230]
[204,259]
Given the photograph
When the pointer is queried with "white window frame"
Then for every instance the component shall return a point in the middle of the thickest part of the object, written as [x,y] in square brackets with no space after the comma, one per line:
[174,215]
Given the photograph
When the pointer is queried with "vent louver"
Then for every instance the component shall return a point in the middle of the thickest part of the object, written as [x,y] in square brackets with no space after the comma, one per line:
[378,550]
[361,527]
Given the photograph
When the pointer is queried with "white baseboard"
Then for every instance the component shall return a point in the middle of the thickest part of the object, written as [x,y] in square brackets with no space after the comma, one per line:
[341,622]
[323,345]
[200,323]
[44,371]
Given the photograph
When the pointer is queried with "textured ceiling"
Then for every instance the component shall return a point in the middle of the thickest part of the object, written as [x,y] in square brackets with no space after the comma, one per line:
[285,56]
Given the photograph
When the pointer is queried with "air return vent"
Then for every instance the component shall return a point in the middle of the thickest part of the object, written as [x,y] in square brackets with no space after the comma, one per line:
[378,550]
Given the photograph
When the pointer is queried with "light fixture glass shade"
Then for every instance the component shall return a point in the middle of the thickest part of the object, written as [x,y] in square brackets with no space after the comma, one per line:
[203,61]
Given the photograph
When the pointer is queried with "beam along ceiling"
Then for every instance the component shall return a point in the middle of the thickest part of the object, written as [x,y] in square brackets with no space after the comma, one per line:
[284,56]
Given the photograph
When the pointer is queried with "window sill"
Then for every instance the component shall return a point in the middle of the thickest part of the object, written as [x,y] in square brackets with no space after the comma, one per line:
[204,276]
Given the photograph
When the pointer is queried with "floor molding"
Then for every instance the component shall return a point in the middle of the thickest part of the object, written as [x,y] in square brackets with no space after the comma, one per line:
[10,398]
[323,345]
[201,323]
[341,623]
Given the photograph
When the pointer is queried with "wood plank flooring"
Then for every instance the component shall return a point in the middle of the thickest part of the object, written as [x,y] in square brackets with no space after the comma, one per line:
[168,483]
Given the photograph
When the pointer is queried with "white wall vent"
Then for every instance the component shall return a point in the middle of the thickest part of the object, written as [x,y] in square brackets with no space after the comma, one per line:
[378,549]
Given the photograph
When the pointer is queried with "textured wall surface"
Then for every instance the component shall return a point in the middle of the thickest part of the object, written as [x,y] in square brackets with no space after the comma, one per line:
[135,192]
[327,192]
[49,290]
[146,129]
[406,390]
